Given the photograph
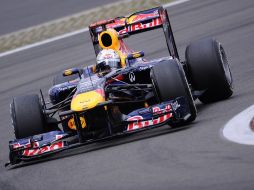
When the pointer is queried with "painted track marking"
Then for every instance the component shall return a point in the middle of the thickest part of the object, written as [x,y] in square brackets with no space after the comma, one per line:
[238,128]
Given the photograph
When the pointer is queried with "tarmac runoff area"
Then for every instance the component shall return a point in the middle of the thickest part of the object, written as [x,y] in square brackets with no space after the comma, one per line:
[240,129]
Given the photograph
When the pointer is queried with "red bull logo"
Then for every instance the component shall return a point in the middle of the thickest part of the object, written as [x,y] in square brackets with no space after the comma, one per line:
[116,23]
[17,145]
[139,124]
[45,149]
[140,26]
[140,17]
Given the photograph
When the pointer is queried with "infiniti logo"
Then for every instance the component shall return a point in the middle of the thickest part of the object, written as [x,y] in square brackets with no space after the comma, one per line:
[131,77]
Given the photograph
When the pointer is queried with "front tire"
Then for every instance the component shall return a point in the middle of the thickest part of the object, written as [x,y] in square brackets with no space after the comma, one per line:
[170,82]
[27,116]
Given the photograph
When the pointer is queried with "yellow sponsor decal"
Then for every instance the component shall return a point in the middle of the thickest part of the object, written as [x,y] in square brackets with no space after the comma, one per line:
[85,101]
[71,123]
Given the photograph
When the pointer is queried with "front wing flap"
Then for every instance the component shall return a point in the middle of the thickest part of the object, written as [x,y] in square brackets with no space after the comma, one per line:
[170,111]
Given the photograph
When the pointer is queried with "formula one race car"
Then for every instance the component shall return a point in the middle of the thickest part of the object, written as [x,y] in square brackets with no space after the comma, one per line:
[97,102]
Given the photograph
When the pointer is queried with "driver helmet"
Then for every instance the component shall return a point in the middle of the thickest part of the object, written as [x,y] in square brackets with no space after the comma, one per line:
[110,58]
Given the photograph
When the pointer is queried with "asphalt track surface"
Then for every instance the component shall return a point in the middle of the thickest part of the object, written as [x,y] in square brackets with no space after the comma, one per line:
[194,158]
[16,14]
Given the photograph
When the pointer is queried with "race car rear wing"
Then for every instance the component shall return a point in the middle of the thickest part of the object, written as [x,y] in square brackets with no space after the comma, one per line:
[138,22]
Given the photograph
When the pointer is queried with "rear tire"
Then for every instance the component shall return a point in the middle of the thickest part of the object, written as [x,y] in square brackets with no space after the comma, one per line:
[27,116]
[170,82]
[209,70]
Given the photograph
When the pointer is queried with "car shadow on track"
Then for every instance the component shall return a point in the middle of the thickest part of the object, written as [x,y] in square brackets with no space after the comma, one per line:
[106,144]
[200,106]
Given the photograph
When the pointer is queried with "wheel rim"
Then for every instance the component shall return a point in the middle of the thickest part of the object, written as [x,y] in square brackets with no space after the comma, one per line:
[225,65]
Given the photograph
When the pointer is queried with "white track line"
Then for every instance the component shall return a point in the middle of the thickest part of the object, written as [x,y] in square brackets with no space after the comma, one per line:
[69,34]
[43,42]
[174,3]
[238,128]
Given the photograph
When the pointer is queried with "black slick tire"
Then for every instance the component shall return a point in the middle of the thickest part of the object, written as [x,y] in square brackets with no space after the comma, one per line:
[27,116]
[208,70]
[170,82]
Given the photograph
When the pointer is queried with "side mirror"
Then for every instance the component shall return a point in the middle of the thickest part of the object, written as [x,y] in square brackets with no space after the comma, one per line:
[135,55]
[72,71]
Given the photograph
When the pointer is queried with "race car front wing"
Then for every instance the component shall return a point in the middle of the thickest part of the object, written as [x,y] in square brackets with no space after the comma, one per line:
[170,112]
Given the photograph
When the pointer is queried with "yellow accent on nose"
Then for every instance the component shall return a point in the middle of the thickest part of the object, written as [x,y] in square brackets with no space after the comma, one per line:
[85,101]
